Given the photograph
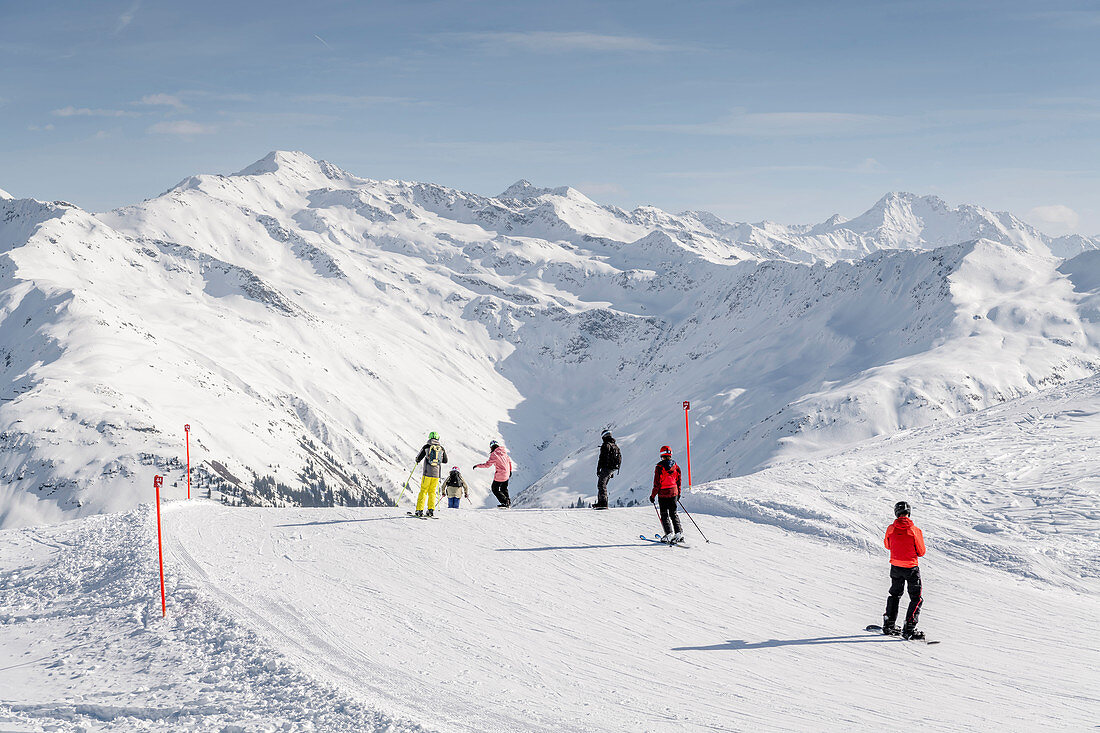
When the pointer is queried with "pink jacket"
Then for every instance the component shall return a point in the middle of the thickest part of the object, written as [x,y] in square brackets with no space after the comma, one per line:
[499,460]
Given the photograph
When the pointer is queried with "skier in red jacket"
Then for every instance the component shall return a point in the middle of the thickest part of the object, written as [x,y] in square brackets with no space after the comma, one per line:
[666,488]
[905,542]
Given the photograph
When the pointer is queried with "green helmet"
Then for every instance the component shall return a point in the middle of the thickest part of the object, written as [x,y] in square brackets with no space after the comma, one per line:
[433,435]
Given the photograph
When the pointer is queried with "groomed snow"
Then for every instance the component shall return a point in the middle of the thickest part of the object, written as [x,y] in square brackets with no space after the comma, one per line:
[533,620]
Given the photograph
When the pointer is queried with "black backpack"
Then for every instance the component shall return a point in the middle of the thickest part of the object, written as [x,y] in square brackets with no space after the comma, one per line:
[614,457]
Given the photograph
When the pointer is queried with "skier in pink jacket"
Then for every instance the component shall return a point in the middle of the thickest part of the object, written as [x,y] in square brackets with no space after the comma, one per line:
[502,462]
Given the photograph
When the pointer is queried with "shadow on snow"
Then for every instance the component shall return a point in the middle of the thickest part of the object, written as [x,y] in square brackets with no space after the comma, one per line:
[738,644]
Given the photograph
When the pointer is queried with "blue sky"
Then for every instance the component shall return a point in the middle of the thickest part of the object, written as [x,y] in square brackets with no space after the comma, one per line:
[781,110]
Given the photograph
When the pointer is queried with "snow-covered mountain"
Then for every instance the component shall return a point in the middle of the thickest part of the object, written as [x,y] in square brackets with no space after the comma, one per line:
[312,326]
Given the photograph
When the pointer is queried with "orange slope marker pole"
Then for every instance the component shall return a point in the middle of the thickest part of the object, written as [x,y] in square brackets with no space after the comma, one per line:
[687,439]
[157,483]
[187,437]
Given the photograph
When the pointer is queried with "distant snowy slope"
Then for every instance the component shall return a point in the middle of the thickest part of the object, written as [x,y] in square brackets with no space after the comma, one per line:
[1015,487]
[312,326]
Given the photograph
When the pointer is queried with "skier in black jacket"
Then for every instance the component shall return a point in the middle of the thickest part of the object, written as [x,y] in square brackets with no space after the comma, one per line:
[610,460]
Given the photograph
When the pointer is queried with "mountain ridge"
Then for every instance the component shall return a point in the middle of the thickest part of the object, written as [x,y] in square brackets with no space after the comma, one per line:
[312,325]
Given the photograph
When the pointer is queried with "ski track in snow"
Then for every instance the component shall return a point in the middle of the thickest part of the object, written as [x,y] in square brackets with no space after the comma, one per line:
[86,647]
[358,619]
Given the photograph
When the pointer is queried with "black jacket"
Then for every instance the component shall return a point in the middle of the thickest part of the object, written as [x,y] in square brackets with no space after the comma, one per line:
[610,457]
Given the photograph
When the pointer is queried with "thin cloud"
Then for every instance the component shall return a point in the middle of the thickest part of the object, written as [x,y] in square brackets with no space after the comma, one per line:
[181,128]
[71,111]
[366,100]
[217,96]
[162,100]
[850,124]
[322,40]
[1056,218]
[780,124]
[127,17]
[1071,19]
[592,188]
[564,42]
[46,127]
[863,167]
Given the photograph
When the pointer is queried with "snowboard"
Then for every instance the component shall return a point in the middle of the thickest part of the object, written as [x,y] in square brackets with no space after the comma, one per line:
[657,538]
[878,630]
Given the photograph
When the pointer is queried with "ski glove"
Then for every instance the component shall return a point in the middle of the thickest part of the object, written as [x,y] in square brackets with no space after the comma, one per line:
[652,499]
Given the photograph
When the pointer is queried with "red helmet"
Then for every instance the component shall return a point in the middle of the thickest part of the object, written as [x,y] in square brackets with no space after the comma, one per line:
[666,451]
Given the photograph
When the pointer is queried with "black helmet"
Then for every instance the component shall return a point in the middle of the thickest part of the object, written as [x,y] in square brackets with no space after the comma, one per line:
[901,509]
[606,433]
[493,444]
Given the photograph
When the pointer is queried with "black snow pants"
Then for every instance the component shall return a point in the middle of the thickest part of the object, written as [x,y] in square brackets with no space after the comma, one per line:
[500,491]
[899,577]
[601,488]
[667,505]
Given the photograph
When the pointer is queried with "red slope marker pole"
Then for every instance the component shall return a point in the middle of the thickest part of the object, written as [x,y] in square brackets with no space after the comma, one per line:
[187,437]
[687,439]
[157,483]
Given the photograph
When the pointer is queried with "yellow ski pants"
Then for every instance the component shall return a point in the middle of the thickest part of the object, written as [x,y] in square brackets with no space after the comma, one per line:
[428,486]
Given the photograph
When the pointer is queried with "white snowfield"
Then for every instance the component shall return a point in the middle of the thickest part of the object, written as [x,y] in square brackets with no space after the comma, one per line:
[528,620]
[312,326]
[565,620]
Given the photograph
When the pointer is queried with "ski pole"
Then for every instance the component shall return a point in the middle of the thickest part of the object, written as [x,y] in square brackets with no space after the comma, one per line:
[659,516]
[692,520]
[398,502]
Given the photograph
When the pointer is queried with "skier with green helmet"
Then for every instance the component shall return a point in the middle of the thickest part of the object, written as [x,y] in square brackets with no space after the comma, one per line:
[434,455]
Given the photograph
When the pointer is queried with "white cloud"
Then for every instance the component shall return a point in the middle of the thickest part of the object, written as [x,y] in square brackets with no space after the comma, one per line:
[71,111]
[40,127]
[162,100]
[869,165]
[1055,219]
[127,17]
[562,42]
[185,128]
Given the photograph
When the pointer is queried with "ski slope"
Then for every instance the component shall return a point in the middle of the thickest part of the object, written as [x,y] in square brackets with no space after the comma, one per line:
[526,620]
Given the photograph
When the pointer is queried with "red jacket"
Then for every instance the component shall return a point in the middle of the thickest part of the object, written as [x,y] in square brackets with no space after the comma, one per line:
[905,542]
[666,479]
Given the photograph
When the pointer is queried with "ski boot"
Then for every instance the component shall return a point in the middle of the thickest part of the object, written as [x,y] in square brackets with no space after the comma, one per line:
[419,513]
[912,634]
[677,538]
[890,629]
[431,513]
[667,539]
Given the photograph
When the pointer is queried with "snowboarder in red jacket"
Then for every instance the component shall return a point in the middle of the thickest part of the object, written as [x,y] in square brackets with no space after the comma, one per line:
[666,491]
[905,542]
